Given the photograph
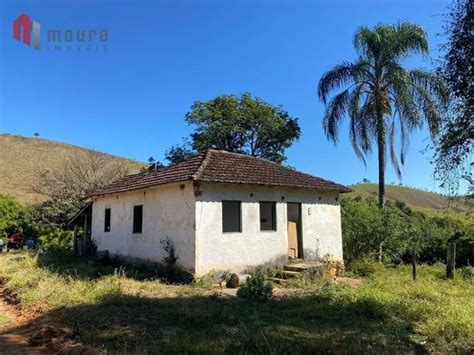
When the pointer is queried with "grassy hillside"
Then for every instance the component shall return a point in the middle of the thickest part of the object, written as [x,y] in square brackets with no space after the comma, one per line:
[21,159]
[416,199]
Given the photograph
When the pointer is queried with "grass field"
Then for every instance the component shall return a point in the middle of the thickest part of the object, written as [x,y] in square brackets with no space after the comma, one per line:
[127,311]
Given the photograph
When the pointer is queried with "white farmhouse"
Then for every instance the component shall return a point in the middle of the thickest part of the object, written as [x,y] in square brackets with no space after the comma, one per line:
[223,211]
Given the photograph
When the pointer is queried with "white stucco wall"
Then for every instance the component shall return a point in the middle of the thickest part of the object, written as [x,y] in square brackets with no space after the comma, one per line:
[215,250]
[168,211]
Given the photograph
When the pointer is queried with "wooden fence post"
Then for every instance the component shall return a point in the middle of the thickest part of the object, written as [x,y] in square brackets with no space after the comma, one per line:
[75,240]
[413,266]
[451,260]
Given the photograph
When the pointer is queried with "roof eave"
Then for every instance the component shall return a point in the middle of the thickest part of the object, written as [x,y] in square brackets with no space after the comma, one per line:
[99,194]
[340,188]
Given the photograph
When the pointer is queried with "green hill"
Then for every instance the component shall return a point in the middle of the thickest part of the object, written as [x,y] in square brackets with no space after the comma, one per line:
[416,199]
[22,158]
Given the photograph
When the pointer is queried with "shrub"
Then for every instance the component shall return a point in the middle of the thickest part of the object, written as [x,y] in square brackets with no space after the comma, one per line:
[56,239]
[399,231]
[173,273]
[365,267]
[467,272]
[13,216]
[168,246]
[256,288]
[206,281]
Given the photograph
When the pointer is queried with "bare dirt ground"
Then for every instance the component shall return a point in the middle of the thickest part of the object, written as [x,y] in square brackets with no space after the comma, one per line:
[20,334]
[14,335]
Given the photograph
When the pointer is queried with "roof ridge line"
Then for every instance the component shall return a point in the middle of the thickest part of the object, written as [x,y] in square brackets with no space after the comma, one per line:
[205,161]
[280,165]
[202,166]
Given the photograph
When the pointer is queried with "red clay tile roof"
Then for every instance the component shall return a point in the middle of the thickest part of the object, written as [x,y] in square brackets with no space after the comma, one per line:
[223,167]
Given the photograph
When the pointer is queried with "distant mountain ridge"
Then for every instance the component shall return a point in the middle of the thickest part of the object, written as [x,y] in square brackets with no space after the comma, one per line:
[416,199]
[23,158]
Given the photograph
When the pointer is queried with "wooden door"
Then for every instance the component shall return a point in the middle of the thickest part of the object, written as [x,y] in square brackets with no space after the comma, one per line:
[292,240]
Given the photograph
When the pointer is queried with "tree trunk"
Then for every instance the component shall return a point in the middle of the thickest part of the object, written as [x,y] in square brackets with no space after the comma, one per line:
[379,103]
[381,160]
[381,157]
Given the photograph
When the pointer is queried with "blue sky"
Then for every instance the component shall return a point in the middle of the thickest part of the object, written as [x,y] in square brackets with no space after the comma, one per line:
[162,55]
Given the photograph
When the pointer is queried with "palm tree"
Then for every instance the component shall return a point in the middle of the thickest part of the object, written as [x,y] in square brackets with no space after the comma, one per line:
[380,97]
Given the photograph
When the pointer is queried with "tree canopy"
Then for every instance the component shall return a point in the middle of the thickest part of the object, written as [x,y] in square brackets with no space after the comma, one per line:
[69,186]
[242,124]
[454,149]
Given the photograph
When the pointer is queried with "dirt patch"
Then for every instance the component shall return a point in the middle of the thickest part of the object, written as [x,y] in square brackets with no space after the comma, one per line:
[24,336]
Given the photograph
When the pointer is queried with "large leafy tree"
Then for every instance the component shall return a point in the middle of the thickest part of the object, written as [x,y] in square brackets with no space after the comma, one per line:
[454,149]
[242,124]
[382,99]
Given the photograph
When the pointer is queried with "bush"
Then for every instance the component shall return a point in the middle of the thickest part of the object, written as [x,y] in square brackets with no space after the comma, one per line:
[168,246]
[467,272]
[401,231]
[13,216]
[365,267]
[207,281]
[56,239]
[256,288]
[172,272]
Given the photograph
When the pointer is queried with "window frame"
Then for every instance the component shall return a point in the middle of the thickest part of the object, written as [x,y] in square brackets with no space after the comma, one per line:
[240,216]
[135,229]
[274,216]
[107,219]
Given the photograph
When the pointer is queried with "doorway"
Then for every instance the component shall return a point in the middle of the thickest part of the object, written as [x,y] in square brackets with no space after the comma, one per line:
[295,240]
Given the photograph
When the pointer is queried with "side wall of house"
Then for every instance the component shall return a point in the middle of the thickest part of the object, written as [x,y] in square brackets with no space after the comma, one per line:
[168,211]
[215,250]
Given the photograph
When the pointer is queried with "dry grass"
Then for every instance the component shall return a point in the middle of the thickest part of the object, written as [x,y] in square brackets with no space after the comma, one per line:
[424,201]
[22,158]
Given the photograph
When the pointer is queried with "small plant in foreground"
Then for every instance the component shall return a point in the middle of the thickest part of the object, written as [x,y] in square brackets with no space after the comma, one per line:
[206,281]
[173,273]
[256,288]
[168,246]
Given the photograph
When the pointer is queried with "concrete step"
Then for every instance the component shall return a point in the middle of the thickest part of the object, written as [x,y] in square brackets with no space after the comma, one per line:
[301,267]
[286,274]
[278,280]
[295,261]
[295,267]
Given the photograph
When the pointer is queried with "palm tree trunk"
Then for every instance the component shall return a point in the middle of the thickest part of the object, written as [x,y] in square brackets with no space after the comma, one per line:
[381,156]
[379,99]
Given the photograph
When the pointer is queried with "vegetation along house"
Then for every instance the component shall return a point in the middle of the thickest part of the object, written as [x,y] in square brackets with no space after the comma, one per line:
[223,211]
